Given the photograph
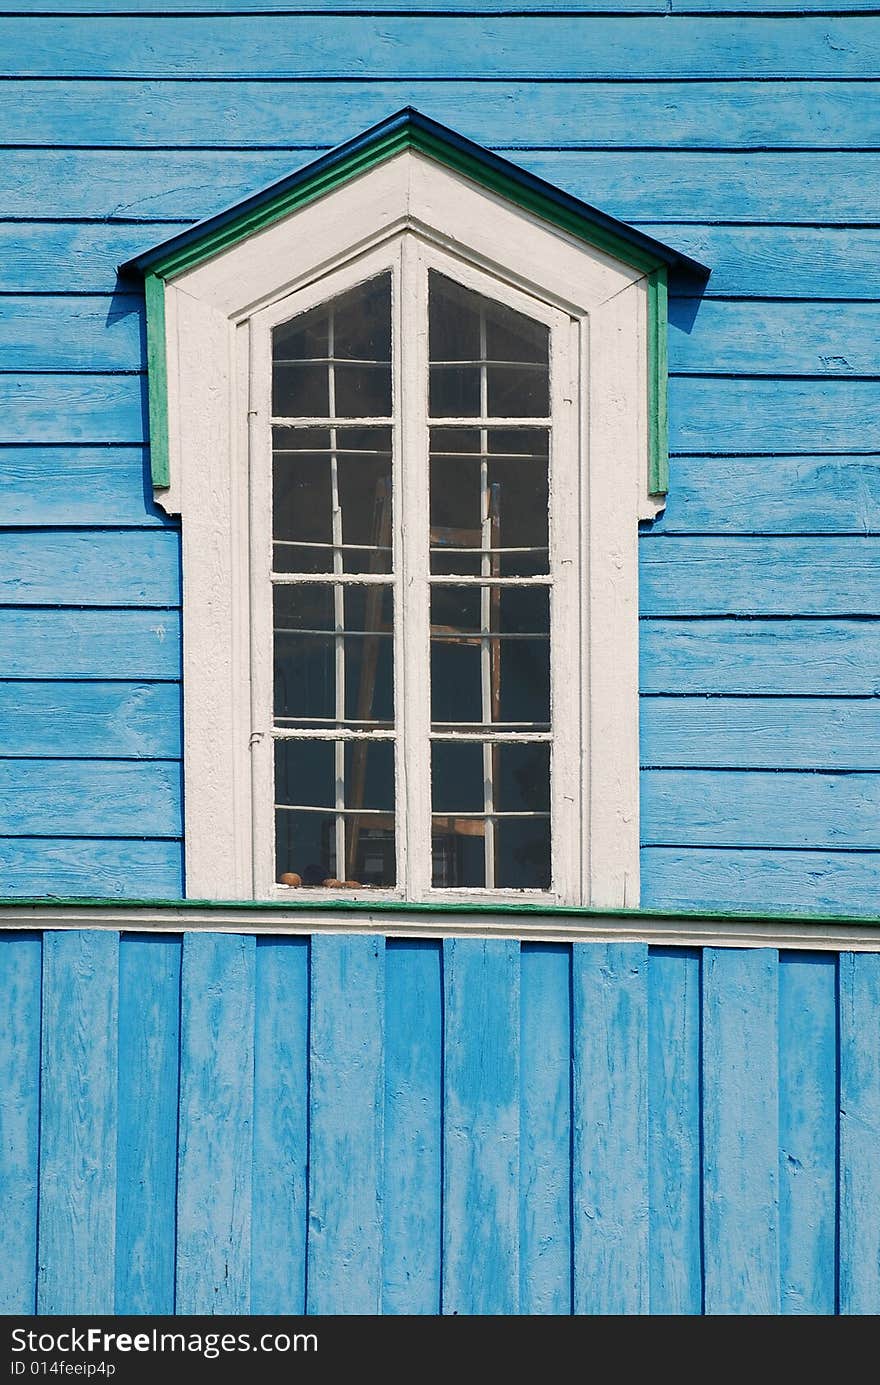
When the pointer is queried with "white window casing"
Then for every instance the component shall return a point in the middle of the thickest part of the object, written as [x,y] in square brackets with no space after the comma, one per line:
[409,214]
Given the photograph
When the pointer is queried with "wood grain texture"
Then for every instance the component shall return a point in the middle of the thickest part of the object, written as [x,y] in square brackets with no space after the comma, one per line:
[281,1114]
[610,1128]
[47,867]
[346,1106]
[481,1165]
[64,719]
[146,1142]
[502,115]
[73,409]
[545,1244]
[759,576]
[674,1131]
[780,415]
[776,808]
[420,45]
[803,188]
[733,880]
[72,333]
[82,644]
[413,1149]
[833,658]
[774,733]
[773,339]
[104,567]
[46,486]
[740,1131]
[20,969]
[78,1123]
[746,261]
[215,1156]
[90,798]
[524,7]
[772,495]
[807,1133]
[859,1278]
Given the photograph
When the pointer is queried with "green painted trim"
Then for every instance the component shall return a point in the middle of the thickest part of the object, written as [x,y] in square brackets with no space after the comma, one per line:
[658,377]
[409,137]
[401,906]
[157,380]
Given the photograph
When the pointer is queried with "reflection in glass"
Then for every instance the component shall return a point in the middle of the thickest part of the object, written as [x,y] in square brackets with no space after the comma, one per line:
[334,653]
[486,360]
[335,360]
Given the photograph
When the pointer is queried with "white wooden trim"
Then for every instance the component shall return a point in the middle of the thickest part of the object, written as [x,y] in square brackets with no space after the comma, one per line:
[656,930]
[410,207]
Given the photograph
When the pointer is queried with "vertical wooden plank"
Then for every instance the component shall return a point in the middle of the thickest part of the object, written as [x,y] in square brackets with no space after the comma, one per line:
[545,1129]
[481,1126]
[346,1106]
[674,1131]
[146,1147]
[20,966]
[281,1124]
[740,1130]
[215,1131]
[78,1122]
[610,1127]
[807,1132]
[413,1128]
[859,1284]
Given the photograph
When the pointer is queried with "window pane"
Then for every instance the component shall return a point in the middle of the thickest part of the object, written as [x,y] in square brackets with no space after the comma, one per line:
[492,497]
[485,358]
[522,854]
[323,630]
[335,360]
[457,778]
[307,846]
[342,774]
[458,853]
[502,675]
[312,479]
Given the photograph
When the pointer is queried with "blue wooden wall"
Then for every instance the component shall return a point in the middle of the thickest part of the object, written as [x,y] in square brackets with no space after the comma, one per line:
[230,1124]
[746,133]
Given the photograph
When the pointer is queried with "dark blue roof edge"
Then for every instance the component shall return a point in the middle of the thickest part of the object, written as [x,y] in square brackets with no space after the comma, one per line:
[410,117]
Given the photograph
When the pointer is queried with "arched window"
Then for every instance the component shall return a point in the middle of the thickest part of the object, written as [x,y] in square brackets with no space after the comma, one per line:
[412,425]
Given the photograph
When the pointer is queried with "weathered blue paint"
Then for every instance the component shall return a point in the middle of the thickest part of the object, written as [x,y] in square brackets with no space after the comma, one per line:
[281,1126]
[545,1129]
[610,1128]
[808,1088]
[90,798]
[346,1117]
[675,1149]
[412,1205]
[740,1131]
[78,867]
[481,1096]
[136,721]
[20,967]
[146,1146]
[859,1005]
[215,1159]
[760,733]
[78,1123]
[106,486]
[741,880]
[90,644]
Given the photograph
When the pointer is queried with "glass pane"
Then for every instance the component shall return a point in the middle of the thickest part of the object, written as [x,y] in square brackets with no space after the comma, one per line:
[306,850]
[493,498]
[343,774]
[522,854]
[335,360]
[458,853]
[510,681]
[521,778]
[485,358]
[309,656]
[312,479]
[457,777]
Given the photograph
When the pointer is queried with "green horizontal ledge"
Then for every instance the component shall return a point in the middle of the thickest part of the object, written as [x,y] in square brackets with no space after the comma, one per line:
[340,905]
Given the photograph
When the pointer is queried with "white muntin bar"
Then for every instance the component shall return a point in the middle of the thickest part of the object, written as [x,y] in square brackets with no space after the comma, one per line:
[338,599]
[487,654]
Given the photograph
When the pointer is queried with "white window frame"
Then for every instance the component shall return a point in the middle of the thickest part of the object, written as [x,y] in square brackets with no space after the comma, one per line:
[216,317]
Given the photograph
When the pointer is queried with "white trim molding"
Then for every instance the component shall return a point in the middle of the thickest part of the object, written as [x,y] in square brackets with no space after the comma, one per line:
[408,210]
